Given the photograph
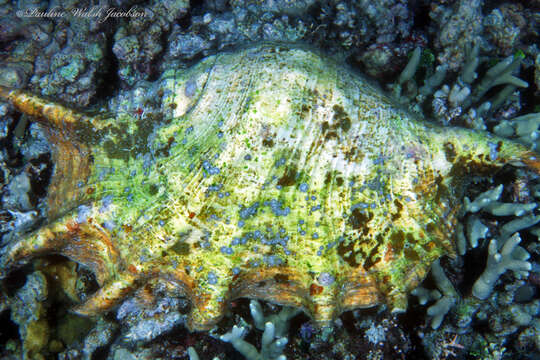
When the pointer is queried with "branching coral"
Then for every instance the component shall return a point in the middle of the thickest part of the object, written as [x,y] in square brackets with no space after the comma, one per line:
[483,199]
[446,296]
[271,346]
[522,128]
[273,340]
[510,257]
[192,353]
[280,320]
[476,230]
[503,251]
[274,337]
[465,98]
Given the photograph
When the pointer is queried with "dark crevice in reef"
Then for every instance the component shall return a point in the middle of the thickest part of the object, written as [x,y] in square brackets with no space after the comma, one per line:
[101,353]
[196,5]
[491,5]
[8,329]
[14,157]
[110,79]
[184,22]
[530,96]
[411,321]
[195,8]
[41,172]
[474,263]
[16,280]
[421,10]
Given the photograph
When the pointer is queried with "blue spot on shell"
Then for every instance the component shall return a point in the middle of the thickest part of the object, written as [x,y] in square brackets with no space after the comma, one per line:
[249,211]
[325,279]
[106,203]
[493,152]
[191,88]
[109,225]
[226,250]
[277,208]
[212,278]
[280,162]
[84,213]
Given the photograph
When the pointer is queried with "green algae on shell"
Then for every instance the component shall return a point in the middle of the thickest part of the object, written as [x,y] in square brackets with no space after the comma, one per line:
[273,173]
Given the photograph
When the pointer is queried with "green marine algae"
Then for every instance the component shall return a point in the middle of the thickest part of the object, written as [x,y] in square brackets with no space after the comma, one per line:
[272,172]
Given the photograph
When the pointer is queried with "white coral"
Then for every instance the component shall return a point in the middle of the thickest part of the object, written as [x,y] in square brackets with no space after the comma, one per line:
[510,257]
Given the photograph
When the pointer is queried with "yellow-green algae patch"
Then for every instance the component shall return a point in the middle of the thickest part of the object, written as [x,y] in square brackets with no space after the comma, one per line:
[273,173]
